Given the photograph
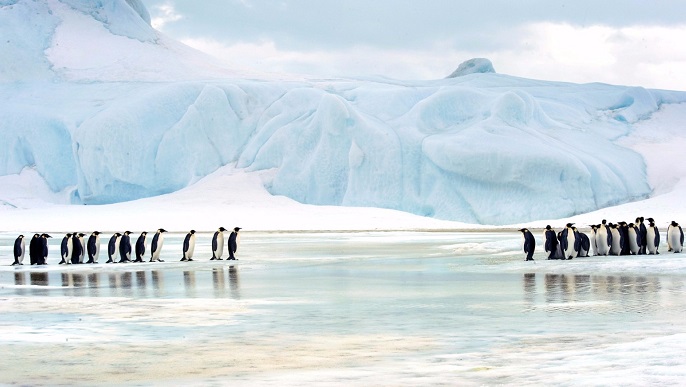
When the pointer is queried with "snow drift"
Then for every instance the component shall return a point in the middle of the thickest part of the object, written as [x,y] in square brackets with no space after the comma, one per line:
[105,108]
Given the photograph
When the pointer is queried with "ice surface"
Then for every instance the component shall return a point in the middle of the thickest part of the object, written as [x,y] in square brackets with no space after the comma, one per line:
[115,111]
[473,66]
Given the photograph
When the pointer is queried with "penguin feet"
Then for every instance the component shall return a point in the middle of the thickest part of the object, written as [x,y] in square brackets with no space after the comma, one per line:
[15,263]
[90,261]
[109,261]
[213,259]
[190,259]
[220,259]
[185,260]
[62,262]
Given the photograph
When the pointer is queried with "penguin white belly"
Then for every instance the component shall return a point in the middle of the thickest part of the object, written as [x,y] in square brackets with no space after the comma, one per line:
[67,256]
[23,251]
[616,248]
[569,251]
[220,245]
[601,241]
[191,247]
[650,245]
[83,250]
[674,239]
[116,248]
[633,241]
[96,254]
[594,245]
[158,249]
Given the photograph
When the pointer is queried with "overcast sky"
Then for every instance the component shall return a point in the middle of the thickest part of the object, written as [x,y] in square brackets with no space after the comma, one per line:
[626,42]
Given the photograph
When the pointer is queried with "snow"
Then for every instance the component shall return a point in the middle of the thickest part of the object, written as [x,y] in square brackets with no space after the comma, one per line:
[473,66]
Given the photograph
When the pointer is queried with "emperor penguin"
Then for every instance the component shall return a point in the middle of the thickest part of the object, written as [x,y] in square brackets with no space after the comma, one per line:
[19,250]
[113,246]
[234,242]
[218,244]
[125,247]
[156,246]
[66,249]
[616,247]
[603,239]
[584,244]
[675,237]
[570,242]
[550,242]
[592,239]
[634,239]
[44,249]
[529,243]
[140,247]
[642,235]
[652,237]
[77,247]
[93,247]
[188,246]
[35,249]
[624,238]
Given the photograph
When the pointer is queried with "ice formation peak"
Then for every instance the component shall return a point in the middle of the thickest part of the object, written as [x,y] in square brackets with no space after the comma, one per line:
[473,66]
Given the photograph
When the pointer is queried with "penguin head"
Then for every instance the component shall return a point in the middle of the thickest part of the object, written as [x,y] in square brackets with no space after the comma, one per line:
[523,230]
[127,232]
[651,220]
[96,232]
[236,229]
[21,237]
[222,229]
[117,234]
[161,230]
[547,227]
[69,235]
[674,224]
[46,236]
[604,221]
[569,225]
[192,231]
[144,233]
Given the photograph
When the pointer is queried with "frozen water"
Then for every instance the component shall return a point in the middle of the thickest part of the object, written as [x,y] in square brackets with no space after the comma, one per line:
[348,308]
[106,109]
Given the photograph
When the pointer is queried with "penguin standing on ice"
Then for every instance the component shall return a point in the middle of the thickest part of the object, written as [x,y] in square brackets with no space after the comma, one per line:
[113,247]
[624,238]
[550,242]
[592,238]
[529,243]
[125,247]
[616,247]
[675,237]
[35,249]
[93,247]
[77,248]
[218,244]
[66,249]
[642,235]
[652,237]
[570,242]
[634,238]
[584,243]
[156,246]
[140,247]
[234,241]
[603,239]
[188,246]
[44,249]
[19,250]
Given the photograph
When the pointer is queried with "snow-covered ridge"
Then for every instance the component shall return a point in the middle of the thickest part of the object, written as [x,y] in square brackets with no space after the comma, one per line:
[99,103]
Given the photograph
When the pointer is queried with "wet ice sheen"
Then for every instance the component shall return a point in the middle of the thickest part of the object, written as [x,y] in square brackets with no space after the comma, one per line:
[355,308]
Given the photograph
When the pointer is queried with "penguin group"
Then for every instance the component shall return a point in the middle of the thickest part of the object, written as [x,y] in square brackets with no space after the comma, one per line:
[604,239]
[74,249]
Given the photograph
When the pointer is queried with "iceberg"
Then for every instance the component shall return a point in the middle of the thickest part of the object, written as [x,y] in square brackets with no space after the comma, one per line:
[99,103]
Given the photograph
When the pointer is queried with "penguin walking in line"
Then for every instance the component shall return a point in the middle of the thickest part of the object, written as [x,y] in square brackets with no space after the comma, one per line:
[66,249]
[188,246]
[19,250]
[593,242]
[642,235]
[113,246]
[43,260]
[529,243]
[616,247]
[551,242]
[140,247]
[675,237]
[125,247]
[652,237]
[570,242]
[93,247]
[77,248]
[218,244]
[35,249]
[234,241]
[603,238]
[156,246]
[634,233]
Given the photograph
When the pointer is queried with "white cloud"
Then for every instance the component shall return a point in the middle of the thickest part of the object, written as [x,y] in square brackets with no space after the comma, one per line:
[163,14]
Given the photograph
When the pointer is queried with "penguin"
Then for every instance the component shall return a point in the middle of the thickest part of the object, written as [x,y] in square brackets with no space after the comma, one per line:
[550,242]
[592,238]
[188,246]
[140,247]
[642,235]
[44,249]
[93,247]
[218,244]
[156,246]
[234,241]
[634,239]
[35,249]
[652,237]
[113,246]
[570,242]
[675,237]
[66,249]
[125,247]
[624,238]
[603,238]
[77,248]
[529,243]
[616,246]
[19,250]
[584,244]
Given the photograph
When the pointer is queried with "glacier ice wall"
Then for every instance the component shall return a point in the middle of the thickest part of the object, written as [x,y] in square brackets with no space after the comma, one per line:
[481,148]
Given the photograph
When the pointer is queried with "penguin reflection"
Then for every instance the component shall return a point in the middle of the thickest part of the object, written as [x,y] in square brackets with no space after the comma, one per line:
[189,283]
[218,282]
[20,281]
[233,282]
[157,283]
